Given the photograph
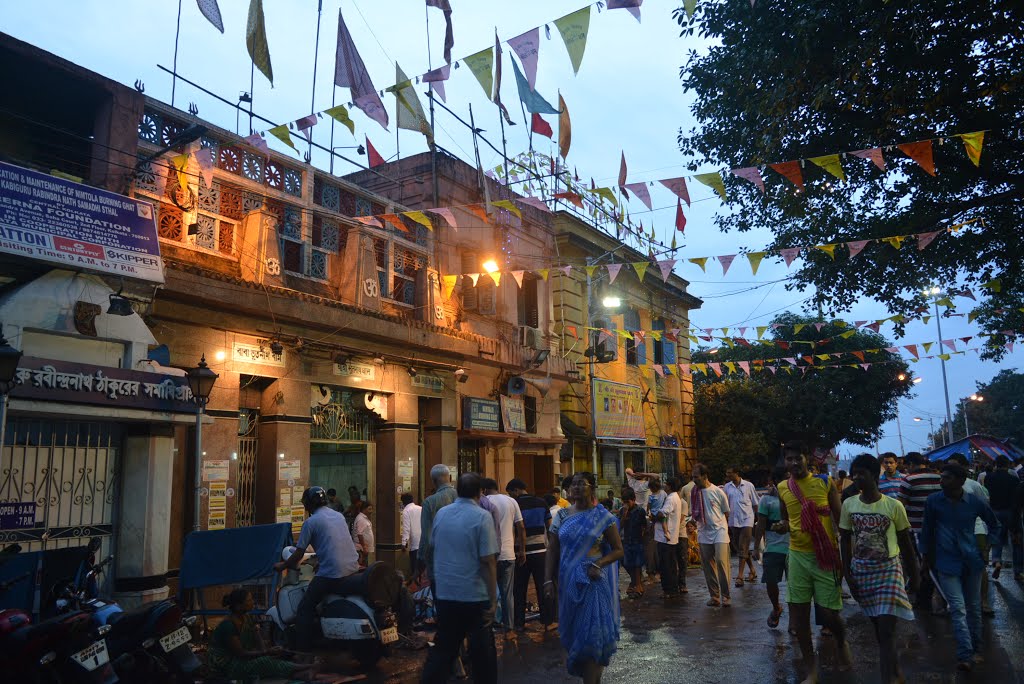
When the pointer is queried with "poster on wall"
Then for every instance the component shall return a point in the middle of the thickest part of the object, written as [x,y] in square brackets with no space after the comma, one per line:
[289,470]
[618,410]
[513,413]
[216,471]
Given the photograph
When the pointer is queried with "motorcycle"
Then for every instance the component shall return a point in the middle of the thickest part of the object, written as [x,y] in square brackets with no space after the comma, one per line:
[360,618]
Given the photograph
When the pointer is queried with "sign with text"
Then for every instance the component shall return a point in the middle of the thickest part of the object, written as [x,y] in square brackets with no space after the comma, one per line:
[216,471]
[351,369]
[513,413]
[618,410]
[481,414]
[17,515]
[77,226]
[429,382]
[256,353]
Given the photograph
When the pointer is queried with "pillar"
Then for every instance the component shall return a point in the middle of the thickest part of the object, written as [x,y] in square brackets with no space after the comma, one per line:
[397,441]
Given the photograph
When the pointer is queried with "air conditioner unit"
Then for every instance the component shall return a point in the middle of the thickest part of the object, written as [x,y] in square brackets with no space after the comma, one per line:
[531,338]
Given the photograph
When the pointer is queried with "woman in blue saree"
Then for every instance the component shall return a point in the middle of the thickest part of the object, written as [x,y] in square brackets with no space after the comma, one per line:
[583,549]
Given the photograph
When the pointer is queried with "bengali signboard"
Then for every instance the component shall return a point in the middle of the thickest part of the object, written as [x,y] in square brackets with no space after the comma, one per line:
[618,410]
[80,383]
[481,414]
[260,353]
[356,371]
[77,226]
[513,413]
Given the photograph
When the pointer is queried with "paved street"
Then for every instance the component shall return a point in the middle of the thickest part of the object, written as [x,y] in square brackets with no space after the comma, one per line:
[684,641]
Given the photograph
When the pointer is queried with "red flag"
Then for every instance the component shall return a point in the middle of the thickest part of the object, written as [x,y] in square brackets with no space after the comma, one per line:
[680,217]
[921,152]
[375,158]
[541,127]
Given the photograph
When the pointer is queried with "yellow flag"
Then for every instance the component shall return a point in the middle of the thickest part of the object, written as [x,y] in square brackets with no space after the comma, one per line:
[798,327]
[830,163]
[822,357]
[713,181]
[896,241]
[827,249]
[927,346]
[180,164]
[256,40]
[607,194]
[761,329]
[730,365]
[972,315]
[574,28]
[420,218]
[564,128]
[507,204]
[340,114]
[641,268]
[448,285]
[944,357]
[408,110]
[590,270]
[848,334]
[995,285]
[281,133]
[543,273]
[972,142]
[482,66]
[700,261]
[496,277]
[755,260]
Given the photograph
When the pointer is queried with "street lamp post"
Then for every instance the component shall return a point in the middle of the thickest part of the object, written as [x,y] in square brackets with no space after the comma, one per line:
[964,403]
[9,358]
[200,381]
[934,291]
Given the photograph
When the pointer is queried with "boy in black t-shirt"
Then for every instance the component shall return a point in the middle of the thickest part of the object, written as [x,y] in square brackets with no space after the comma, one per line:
[633,523]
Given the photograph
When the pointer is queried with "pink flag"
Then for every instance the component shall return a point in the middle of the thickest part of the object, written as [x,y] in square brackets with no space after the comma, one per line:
[518,275]
[751,174]
[666,267]
[856,246]
[726,261]
[1009,346]
[622,171]
[892,350]
[534,202]
[641,191]
[858,324]
[874,326]
[790,360]
[717,367]
[789,255]
[447,215]
[865,366]
[205,159]
[819,326]
[567,270]
[680,217]
[449,37]
[211,11]
[257,141]
[613,272]
[925,239]
[773,369]
[874,154]
[305,124]
[631,6]
[527,46]
[350,72]
[678,186]
[436,79]
[659,370]
[950,343]
[912,348]
[745,365]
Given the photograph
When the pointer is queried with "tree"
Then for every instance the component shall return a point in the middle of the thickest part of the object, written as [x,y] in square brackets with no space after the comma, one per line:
[818,398]
[999,412]
[796,79]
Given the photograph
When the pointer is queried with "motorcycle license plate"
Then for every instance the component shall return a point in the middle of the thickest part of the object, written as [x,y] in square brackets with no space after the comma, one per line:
[389,635]
[175,639]
[93,657]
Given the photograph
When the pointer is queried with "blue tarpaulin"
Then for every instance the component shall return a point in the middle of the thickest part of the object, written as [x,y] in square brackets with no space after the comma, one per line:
[971,447]
[233,556]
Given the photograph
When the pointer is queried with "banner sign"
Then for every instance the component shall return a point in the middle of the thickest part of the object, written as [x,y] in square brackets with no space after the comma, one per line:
[77,226]
[80,383]
[481,414]
[618,410]
[17,515]
[513,413]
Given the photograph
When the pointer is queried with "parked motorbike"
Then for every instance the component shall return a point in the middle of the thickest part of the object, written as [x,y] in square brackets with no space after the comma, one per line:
[360,618]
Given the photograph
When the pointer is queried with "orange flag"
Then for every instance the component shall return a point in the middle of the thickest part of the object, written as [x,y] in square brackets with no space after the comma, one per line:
[564,128]
[791,171]
[921,152]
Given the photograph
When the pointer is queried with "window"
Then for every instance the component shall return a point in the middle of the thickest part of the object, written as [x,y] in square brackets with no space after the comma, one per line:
[483,297]
[636,351]
[609,345]
[664,349]
[529,309]
[400,272]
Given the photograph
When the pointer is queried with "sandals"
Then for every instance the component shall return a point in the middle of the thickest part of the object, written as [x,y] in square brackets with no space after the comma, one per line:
[773,619]
[751,578]
[738,583]
[714,603]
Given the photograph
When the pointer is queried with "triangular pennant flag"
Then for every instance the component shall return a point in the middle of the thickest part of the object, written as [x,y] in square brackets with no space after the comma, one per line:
[447,215]
[570,197]
[396,221]
[892,350]
[574,28]
[543,273]
[340,114]
[856,247]
[369,221]
[527,46]
[865,366]
[420,218]
[791,171]
[496,277]
[571,329]
[996,285]
[409,112]
[731,365]
[482,65]
[350,72]
[436,79]
[726,261]
[497,80]
[818,327]
[281,133]
[666,267]
[925,239]
[755,260]
[789,254]
[257,141]
[474,277]
[206,163]
[477,210]
[830,163]
[606,194]
[590,270]
[896,241]
[828,249]
[921,152]
[752,174]
[700,261]
[256,40]
[508,206]
[858,354]
[541,127]
[680,217]
[912,348]
[678,188]
[874,154]
[944,357]
[531,99]
[564,128]
[534,202]
[211,11]
[641,191]
[622,171]
[566,270]
[373,155]
[798,327]
[717,367]
[613,272]
[641,268]
[761,330]
[972,143]
[448,286]
[950,343]
[713,181]
[180,164]
[305,124]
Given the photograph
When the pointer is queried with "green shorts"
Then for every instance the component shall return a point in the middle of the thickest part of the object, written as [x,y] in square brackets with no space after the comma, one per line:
[808,582]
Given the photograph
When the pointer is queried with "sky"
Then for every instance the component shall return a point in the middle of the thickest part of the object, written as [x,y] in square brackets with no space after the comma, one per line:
[626,98]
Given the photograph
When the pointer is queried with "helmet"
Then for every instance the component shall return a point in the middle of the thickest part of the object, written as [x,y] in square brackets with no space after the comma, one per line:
[313,498]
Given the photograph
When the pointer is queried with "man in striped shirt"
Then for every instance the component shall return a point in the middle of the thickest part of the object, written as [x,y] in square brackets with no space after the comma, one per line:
[920,484]
[891,483]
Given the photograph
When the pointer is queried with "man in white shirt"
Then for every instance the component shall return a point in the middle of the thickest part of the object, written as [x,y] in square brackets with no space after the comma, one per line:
[709,508]
[411,529]
[743,502]
[666,534]
[512,545]
[362,532]
[640,484]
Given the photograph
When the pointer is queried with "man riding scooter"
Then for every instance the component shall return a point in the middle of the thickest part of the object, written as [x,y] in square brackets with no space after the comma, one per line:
[327,531]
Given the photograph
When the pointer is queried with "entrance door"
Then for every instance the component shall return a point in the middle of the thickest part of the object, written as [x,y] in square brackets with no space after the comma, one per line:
[536,470]
[341,465]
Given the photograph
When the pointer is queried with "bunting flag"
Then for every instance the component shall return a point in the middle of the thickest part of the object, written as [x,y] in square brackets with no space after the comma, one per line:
[204,158]
[350,72]
[474,277]
[409,112]
[536,203]
[666,268]
[373,155]
[211,11]
[543,273]
[180,163]
[755,262]
[420,218]
[751,174]
[396,221]
[256,140]
[571,329]
[508,206]
[874,154]
[856,246]
[527,47]
[921,152]
[368,221]
[497,80]
[571,197]
[479,211]
[680,217]
[622,172]
[896,241]
[925,239]
[912,348]
[828,249]
[641,268]
[482,66]
[641,191]
[972,143]
[531,99]
[496,277]
[447,215]
[541,127]
[613,272]
[788,255]
[678,188]
[256,40]
[700,261]
[830,163]
[340,114]
[790,171]
[448,286]
[574,28]
[564,128]
[305,125]
[712,180]
[281,133]
[436,79]
[449,36]
[726,261]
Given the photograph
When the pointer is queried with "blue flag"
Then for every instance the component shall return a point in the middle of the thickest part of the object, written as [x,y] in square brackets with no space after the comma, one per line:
[534,103]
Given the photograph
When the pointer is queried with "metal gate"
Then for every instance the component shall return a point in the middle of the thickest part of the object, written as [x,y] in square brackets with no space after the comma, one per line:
[70,471]
[248,450]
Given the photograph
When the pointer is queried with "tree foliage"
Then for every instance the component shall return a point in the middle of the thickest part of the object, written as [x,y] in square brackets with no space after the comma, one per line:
[824,405]
[795,79]
[999,414]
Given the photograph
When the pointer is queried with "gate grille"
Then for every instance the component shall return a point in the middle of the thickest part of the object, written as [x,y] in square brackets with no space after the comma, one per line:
[248,448]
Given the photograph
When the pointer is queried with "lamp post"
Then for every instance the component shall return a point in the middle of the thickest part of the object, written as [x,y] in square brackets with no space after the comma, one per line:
[200,381]
[964,403]
[899,425]
[9,358]
[934,292]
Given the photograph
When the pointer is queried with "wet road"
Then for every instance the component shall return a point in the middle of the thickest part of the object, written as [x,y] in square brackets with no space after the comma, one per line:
[685,641]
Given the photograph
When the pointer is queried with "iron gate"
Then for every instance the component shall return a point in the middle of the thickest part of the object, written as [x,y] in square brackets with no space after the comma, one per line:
[248,451]
[70,471]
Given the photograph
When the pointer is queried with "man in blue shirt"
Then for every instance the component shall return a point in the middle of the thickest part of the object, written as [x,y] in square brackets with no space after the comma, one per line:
[950,549]
[466,580]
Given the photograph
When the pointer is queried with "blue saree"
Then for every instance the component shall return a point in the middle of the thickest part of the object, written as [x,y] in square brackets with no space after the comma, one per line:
[588,610]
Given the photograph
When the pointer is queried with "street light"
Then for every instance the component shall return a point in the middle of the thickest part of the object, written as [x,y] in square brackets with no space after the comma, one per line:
[963,405]
[9,358]
[200,381]
[934,292]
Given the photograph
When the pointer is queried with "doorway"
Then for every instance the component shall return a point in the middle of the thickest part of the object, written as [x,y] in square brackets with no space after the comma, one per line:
[340,465]
[536,470]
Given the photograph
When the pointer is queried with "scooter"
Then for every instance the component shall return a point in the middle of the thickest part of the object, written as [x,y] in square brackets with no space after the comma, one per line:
[360,618]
